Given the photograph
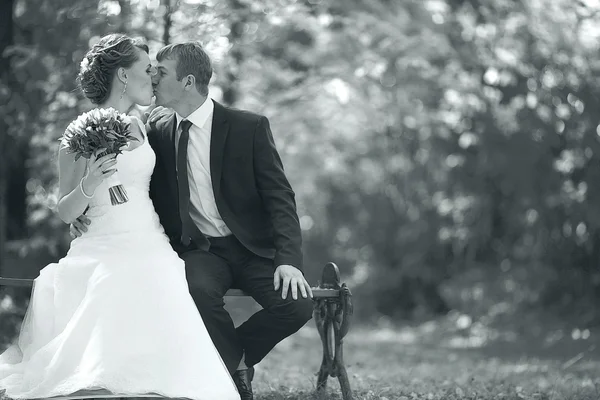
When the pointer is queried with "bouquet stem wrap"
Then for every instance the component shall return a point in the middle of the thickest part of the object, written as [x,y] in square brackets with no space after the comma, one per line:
[116,190]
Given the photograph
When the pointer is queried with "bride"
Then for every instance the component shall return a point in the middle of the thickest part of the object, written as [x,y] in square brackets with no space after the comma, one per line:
[114,317]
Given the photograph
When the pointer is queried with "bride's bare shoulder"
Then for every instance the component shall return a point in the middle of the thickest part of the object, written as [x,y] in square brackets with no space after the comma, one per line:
[137,127]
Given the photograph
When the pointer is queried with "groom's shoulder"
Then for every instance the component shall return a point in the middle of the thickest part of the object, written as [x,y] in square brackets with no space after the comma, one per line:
[242,116]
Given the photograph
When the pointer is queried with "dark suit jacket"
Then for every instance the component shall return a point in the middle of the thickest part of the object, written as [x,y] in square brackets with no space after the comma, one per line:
[251,190]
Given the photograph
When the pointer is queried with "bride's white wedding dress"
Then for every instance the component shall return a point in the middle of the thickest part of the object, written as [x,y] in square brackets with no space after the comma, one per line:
[115,314]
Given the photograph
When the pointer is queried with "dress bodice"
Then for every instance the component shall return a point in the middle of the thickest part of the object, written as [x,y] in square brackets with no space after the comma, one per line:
[134,170]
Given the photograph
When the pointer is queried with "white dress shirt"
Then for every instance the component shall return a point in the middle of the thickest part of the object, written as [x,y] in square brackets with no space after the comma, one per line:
[203,206]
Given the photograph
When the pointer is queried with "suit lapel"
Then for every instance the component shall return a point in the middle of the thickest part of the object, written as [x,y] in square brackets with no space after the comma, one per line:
[218,138]
[167,130]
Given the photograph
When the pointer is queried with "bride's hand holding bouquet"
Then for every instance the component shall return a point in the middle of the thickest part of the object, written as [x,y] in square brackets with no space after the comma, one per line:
[97,171]
[99,136]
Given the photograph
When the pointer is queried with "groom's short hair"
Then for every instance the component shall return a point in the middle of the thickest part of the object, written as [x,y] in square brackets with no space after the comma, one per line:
[191,59]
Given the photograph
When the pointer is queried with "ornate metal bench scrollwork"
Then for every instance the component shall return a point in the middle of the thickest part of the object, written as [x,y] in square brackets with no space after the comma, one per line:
[332,316]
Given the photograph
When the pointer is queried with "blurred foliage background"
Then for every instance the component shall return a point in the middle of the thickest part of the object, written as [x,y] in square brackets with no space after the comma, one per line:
[445,154]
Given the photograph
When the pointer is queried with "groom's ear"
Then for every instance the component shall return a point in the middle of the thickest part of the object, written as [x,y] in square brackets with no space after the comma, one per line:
[189,82]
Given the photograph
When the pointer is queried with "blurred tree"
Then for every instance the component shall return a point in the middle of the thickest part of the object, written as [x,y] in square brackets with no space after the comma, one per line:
[167,20]
[425,140]
[415,138]
[6,40]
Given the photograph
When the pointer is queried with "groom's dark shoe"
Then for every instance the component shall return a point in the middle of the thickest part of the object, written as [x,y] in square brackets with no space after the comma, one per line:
[243,381]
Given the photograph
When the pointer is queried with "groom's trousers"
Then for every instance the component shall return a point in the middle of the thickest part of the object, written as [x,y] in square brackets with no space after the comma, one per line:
[228,264]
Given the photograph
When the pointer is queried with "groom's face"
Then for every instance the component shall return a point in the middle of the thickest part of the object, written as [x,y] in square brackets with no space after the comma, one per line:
[167,89]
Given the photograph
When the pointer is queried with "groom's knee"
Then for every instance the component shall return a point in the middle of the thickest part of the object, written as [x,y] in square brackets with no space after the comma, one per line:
[207,298]
[299,313]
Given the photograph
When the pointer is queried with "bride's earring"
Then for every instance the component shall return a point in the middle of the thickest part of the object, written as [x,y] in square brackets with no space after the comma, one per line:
[124,89]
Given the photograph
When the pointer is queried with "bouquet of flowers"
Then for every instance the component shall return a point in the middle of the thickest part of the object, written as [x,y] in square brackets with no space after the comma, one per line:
[100,128]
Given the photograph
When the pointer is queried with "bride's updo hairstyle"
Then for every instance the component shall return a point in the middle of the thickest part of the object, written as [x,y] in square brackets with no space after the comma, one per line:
[101,62]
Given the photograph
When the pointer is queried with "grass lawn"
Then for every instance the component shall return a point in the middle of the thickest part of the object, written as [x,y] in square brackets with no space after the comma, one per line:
[438,360]
[425,362]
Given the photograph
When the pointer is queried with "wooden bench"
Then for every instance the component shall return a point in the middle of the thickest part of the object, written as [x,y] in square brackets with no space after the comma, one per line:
[332,314]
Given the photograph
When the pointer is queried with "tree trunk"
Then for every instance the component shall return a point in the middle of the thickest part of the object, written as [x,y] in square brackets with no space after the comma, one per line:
[167,21]
[6,40]
[239,17]
[125,16]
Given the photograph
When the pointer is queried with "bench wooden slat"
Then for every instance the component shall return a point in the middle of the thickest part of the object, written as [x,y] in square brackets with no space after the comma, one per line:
[16,282]
[317,292]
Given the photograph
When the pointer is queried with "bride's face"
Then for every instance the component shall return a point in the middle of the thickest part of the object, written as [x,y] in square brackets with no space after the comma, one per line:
[139,80]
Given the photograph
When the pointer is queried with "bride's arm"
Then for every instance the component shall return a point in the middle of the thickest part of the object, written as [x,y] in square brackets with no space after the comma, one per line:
[75,186]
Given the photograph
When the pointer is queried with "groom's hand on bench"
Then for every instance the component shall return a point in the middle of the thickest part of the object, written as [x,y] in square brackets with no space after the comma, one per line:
[292,279]
[79,226]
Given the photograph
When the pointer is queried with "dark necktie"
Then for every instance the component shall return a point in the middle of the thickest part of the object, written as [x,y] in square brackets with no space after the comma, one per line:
[189,229]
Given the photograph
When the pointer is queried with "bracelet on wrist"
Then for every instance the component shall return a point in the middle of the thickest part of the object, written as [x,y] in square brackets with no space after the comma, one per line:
[82,190]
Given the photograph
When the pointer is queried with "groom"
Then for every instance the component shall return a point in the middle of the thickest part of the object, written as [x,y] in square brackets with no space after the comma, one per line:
[225,203]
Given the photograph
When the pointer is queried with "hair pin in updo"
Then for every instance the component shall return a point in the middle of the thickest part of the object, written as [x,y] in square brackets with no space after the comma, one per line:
[85,64]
